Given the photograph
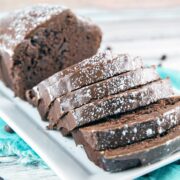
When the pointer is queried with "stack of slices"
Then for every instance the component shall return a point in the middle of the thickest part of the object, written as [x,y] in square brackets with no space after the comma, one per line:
[119,110]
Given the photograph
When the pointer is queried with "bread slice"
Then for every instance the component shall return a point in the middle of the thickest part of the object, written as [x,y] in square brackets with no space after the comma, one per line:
[119,103]
[138,154]
[122,130]
[41,40]
[102,89]
[99,67]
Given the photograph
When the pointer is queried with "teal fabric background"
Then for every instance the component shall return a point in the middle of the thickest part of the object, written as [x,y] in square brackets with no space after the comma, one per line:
[12,144]
[173,74]
[170,172]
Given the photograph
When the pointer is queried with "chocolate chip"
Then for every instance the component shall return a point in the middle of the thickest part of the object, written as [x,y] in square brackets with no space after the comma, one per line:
[109,48]
[8,129]
[163,57]
[17,62]
[34,40]
[1,178]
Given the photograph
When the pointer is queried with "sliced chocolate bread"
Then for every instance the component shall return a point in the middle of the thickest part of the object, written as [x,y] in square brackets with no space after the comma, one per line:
[37,93]
[38,90]
[114,104]
[138,154]
[41,40]
[122,130]
[81,75]
[102,89]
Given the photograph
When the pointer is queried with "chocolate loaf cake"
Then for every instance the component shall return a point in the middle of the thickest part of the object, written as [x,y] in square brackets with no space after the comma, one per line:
[146,122]
[41,40]
[114,104]
[138,154]
[102,89]
[105,66]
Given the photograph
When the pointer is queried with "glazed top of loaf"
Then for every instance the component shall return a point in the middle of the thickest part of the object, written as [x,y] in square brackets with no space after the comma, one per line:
[16,26]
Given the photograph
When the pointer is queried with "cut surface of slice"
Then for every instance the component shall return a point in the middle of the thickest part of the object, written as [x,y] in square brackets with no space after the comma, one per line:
[121,130]
[138,154]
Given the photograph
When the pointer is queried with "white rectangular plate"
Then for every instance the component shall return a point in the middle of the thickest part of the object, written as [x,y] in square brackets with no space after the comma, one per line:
[60,153]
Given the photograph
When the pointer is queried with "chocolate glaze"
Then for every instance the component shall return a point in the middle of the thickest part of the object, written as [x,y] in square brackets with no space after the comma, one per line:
[100,90]
[97,68]
[121,130]
[115,104]
[139,154]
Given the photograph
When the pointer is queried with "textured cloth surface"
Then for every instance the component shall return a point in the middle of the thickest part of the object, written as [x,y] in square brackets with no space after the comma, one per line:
[174,75]
[13,145]
[170,172]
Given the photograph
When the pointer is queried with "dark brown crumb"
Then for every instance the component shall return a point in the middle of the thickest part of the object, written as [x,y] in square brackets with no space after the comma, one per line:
[8,129]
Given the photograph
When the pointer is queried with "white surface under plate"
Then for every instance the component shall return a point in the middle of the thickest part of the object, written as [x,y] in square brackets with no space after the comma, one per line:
[60,153]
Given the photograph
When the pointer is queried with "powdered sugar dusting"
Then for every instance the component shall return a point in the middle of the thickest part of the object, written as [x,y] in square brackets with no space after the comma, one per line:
[149,132]
[108,68]
[99,67]
[111,136]
[135,130]
[55,78]
[123,102]
[26,20]
[108,87]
